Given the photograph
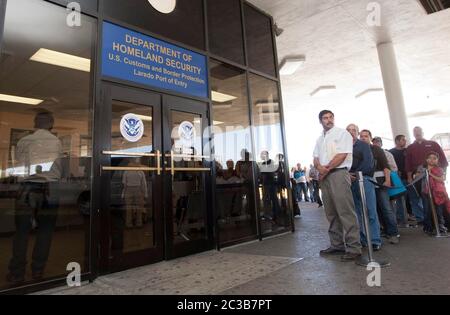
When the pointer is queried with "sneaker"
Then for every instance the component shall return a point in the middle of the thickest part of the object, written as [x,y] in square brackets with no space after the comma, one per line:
[331,251]
[350,257]
[443,229]
[393,240]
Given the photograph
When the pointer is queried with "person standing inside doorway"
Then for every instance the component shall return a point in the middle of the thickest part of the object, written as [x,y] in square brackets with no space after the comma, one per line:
[314,175]
[333,156]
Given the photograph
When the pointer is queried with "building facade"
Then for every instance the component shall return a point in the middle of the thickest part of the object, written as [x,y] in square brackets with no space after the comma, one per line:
[134,132]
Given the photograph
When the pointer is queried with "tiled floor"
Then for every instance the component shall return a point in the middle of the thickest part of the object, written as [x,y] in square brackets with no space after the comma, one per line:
[289,264]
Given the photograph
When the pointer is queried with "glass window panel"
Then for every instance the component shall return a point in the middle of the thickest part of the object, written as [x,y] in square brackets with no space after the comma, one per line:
[260,47]
[225,29]
[131,200]
[188,187]
[233,150]
[185,24]
[272,183]
[45,143]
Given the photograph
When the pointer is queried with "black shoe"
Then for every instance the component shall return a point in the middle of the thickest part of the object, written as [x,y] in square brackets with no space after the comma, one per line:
[350,257]
[331,251]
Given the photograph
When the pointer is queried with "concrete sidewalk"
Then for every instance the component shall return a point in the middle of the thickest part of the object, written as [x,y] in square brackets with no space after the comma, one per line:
[288,264]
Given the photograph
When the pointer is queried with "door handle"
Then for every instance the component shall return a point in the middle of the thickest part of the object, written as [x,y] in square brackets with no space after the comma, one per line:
[174,169]
[157,155]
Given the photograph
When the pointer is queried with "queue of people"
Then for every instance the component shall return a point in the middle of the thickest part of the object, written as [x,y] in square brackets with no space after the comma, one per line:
[340,155]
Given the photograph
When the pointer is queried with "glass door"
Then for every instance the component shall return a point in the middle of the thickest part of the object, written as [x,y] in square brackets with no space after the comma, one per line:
[187,182]
[131,215]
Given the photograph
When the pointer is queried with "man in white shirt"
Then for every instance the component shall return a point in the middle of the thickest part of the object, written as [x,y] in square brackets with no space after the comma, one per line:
[333,157]
[39,155]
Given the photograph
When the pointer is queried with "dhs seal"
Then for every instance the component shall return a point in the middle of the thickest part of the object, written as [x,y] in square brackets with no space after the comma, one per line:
[131,128]
[186,131]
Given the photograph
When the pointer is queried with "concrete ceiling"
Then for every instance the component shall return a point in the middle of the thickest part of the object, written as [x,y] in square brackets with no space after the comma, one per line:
[340,50]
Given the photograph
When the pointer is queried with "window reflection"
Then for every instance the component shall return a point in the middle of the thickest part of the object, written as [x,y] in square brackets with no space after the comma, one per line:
[225,29]
[272,183]
[233,150]
[45,146]
[260,46]
[131,202]
[188,187]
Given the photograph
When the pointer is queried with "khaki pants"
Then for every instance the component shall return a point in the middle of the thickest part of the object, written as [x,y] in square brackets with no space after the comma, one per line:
[340,212]
[134,200]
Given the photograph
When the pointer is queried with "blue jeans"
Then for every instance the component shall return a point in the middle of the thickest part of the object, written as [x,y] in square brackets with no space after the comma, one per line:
[400,210]
[374,223]
[415,201]
[385,207]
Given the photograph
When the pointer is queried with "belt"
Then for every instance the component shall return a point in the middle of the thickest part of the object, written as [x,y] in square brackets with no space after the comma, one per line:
[334,170]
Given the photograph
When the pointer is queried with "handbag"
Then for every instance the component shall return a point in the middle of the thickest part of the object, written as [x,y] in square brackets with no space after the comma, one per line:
[398,189]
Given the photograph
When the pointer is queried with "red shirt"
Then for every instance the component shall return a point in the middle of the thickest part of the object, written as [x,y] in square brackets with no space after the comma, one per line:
[416,155]
[438,190]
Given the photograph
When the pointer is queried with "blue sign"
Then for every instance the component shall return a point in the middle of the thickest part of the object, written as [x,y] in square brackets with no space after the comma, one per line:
[132,56]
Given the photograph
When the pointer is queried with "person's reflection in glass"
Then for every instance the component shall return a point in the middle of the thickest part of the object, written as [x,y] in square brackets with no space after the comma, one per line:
[244,167]
[36,207]
[268,171]
[134,193]
[282,182]
[229,173]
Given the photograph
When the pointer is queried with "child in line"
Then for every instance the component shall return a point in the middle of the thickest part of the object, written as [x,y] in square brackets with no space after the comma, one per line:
[438,190]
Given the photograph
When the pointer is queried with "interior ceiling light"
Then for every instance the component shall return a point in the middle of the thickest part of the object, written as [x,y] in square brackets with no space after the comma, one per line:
[21,100]
[221,97]
[164,6]
[63,60]
[323,90]
[290,65]
[216,122]
[376,90]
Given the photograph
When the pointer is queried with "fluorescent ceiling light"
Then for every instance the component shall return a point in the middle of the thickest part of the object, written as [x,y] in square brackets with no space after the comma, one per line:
[18,99]
[216,122]
[289,66]
[323,90]
[63,60]
[376,90]
[221,97]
